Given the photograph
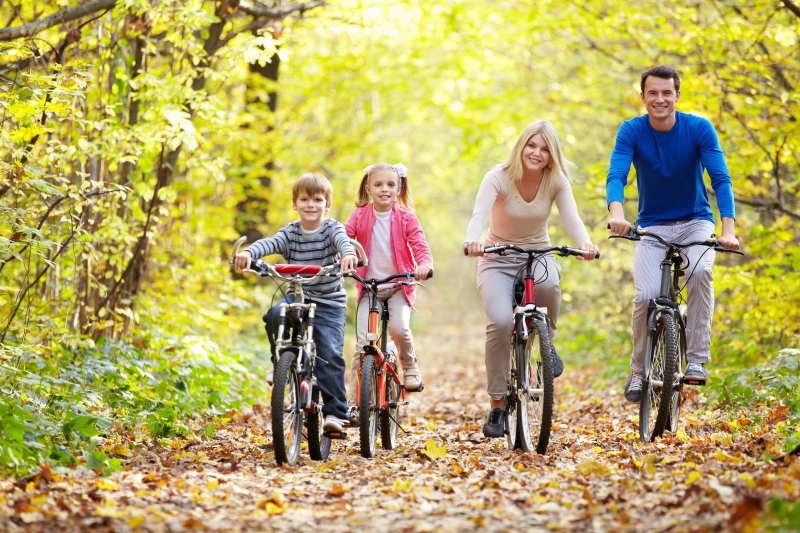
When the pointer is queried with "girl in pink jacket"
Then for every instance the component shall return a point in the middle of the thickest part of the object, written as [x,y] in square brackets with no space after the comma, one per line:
[394,242]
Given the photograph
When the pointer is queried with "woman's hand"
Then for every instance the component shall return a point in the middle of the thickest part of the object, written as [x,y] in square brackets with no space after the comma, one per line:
[588,247]
[242,260]
[421,273]
[474,249]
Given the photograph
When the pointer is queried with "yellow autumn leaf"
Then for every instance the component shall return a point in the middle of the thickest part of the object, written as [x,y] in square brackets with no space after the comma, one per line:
[693,477]
[593,468]
[748,479]
[118,449]
[681,435]
[274,505]
[720,455]
[403,485]
[434,451]
[106,484]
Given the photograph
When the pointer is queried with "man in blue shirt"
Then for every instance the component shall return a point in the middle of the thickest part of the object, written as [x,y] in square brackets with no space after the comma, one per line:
[670,151]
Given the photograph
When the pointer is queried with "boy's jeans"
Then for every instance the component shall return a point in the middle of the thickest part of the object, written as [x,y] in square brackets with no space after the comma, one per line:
[329,338]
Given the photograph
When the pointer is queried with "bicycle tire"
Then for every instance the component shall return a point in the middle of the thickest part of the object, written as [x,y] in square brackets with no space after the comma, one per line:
[681,362]
[287,432]
[660,366]
[511,395]
[319,446]
[535,410]
[390,418]
[368,407]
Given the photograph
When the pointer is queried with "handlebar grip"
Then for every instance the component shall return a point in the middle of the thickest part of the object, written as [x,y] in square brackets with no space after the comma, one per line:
[466,252]
[597,255]
[430,274]
[360,263]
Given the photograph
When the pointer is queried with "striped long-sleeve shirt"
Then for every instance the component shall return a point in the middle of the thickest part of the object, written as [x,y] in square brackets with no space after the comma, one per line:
[321,247]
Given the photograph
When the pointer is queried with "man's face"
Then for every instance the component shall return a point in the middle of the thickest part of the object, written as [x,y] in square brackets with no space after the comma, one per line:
[660,96]
[311,208]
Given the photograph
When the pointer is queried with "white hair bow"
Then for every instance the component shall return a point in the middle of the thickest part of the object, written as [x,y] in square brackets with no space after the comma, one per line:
[401,170]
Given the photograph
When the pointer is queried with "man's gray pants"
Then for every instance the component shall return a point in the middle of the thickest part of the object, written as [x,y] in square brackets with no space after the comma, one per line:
[647,258]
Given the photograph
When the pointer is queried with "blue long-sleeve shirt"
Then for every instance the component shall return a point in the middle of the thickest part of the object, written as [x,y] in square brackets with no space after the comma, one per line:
[669,170]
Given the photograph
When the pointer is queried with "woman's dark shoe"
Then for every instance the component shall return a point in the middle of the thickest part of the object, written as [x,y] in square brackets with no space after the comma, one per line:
[558,364]
[494,427]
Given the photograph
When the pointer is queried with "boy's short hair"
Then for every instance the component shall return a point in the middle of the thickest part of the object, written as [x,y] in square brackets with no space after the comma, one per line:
[313,184]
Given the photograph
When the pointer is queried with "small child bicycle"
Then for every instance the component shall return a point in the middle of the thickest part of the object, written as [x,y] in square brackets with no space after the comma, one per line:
[379,391]
[296,400]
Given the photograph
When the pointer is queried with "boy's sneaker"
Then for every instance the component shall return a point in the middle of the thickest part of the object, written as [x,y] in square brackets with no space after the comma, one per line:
[696,371]
[558,364]
[352,415]
[333,424]
[494,427]
[412,380]
[633,388]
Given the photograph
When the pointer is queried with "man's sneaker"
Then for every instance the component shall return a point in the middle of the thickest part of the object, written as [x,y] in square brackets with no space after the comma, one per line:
[696,371]
[494,427]
[558,364]
[333,424]
[633,388]
[412,380]
[352,415]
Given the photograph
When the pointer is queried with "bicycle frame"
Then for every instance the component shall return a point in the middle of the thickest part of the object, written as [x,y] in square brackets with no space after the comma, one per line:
[523,315]
[384,371]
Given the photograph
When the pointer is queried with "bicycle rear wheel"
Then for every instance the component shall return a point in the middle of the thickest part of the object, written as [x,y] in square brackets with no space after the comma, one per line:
[390,418]
[535,406]
[319,446]
[657,388]
[368,406]
[287,415]
[680,370]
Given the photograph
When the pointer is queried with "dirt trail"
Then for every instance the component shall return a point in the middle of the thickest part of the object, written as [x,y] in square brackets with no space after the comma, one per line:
[596,476]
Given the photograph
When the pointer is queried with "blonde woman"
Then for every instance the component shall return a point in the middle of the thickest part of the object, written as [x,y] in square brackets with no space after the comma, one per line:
[519,195]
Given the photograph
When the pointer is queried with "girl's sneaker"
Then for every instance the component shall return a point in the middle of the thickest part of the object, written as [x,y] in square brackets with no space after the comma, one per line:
[352,415]
[412,380]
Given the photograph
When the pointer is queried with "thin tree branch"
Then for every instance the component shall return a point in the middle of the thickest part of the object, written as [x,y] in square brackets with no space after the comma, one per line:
[280,12]
[793,8]
[65,15]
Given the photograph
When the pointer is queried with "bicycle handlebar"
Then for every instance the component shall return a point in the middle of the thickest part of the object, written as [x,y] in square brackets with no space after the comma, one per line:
[563,251]
[636,233]
[374,281]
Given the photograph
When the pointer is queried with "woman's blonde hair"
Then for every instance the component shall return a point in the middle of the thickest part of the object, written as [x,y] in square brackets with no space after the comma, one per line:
[558,163]
[403,194]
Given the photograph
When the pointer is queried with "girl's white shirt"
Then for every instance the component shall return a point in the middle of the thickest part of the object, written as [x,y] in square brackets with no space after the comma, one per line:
[381,258]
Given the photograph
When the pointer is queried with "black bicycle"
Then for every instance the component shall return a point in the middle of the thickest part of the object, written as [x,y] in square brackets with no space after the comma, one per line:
[296,400]
[529,400]
[665,348]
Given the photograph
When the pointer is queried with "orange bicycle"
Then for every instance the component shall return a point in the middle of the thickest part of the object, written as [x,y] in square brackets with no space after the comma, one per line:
[379,391]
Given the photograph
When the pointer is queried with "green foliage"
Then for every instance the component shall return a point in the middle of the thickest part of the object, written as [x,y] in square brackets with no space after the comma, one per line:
[782,516]
[774,383]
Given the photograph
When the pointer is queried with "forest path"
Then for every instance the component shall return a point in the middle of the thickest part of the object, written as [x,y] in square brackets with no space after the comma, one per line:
[595,476]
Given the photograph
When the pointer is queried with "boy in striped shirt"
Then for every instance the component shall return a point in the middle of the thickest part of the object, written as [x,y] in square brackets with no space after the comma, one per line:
[316,240]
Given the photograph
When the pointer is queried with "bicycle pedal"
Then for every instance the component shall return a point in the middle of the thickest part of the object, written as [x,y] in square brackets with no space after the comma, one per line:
[692,381]
[342,435]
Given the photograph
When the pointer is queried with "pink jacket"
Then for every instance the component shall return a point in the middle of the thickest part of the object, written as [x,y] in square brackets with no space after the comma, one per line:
[409,247]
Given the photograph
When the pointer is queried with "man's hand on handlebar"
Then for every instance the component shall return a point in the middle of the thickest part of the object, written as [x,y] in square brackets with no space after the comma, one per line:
[588,247]
[349,263]
[474,249]
[619,226]
[242,260]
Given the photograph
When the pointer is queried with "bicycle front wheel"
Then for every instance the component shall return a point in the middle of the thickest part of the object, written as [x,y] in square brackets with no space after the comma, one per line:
[390,418]
[511,395]
[319,446]
[535,406]
[368,406]
[680,371]
[657,388]
[287,414]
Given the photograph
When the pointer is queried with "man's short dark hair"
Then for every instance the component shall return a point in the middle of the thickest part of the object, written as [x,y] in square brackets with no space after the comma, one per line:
[665,72]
